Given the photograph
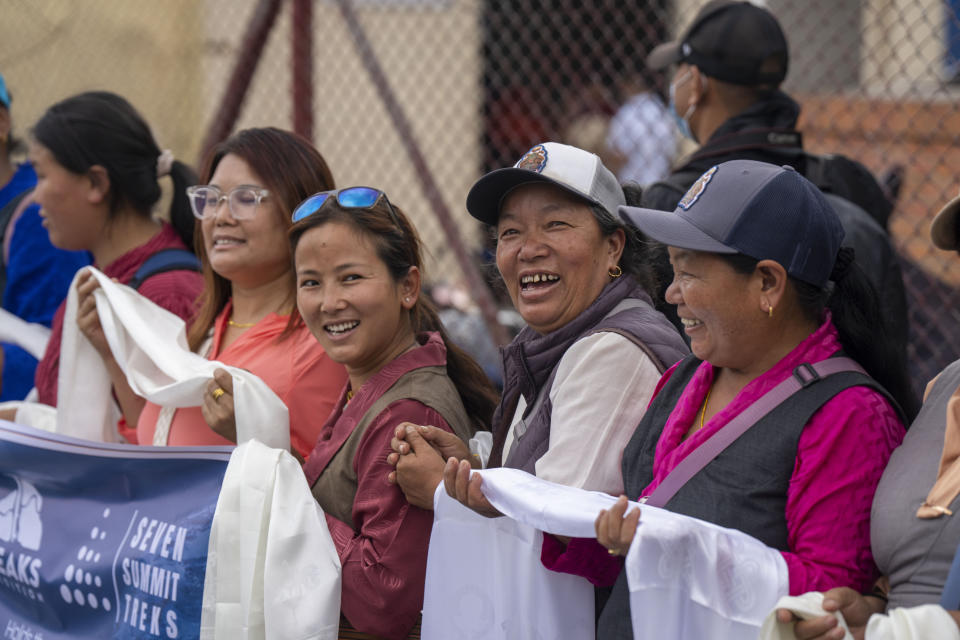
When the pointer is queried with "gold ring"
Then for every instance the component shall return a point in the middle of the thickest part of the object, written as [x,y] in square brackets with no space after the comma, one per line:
[612,552]
[217,393]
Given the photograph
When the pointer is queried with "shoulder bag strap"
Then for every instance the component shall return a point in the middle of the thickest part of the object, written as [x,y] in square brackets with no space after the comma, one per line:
[163,261]
[803,376]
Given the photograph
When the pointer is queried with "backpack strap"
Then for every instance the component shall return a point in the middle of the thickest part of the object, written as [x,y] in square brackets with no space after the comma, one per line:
[8,216]
[803,376]
[163,261]
[6,213]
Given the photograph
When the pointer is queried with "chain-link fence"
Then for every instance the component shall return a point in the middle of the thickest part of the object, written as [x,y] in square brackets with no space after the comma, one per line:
[419,97]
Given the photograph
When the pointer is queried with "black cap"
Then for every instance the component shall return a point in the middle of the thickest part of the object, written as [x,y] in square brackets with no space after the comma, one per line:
[732,41]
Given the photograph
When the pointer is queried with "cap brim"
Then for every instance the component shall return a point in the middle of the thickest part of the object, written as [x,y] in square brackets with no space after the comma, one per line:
[486,194]
[671,229]
[943,231]
[664,55]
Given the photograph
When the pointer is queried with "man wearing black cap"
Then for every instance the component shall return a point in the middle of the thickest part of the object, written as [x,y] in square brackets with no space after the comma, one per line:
[725,95]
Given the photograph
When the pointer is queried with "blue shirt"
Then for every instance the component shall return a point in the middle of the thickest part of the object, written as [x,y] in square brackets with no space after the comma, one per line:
[38,277]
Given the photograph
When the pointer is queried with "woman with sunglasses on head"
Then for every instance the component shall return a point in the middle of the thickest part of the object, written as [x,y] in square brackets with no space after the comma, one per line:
[247,316]
[98,170]
[359,270]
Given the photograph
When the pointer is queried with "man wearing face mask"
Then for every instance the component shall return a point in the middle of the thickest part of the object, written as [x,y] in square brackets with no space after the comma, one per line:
[725,95]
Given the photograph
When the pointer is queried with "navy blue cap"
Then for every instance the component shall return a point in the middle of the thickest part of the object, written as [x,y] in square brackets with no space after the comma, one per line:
[754,208]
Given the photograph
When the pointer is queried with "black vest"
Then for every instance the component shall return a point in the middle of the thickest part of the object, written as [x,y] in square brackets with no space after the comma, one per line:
[744,487]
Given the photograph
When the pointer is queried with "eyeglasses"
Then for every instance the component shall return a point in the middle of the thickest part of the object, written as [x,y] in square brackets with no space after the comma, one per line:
[350,198]
[243,201]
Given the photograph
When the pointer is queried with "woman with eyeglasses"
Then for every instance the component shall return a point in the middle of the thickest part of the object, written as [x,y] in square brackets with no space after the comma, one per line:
[98,179]
[247,315]
[359,270]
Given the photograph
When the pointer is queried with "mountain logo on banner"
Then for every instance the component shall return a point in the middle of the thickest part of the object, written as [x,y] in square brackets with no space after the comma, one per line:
[20,505]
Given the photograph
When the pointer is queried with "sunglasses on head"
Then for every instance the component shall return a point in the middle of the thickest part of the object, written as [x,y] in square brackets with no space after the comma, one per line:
[349,198]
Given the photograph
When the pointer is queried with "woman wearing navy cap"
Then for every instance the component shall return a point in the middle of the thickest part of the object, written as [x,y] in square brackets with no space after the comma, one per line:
[769,301]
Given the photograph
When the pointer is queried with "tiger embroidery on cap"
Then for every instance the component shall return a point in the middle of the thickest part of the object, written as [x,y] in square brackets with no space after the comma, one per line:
[533,160]
[694,192]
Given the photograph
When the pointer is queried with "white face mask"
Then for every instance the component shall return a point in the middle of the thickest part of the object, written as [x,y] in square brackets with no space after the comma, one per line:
[682,122]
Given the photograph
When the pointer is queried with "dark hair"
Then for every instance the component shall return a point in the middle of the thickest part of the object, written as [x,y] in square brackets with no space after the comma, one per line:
[291,170]
[864,332]
[13,143]
[638,259]
[399,248]
[99,128]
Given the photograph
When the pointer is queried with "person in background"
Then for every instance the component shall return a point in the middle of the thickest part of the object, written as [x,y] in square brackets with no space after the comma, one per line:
[247,315]
[641,135]
[34,275]
[465,326]
[359,269]
[98,171]
[725,95]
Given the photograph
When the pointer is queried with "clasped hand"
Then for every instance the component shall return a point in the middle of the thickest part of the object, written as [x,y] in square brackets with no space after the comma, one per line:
[423,457]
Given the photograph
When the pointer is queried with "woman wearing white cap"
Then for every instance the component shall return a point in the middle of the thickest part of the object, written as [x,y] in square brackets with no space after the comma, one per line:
[791,434]
[577,379]
[914,534]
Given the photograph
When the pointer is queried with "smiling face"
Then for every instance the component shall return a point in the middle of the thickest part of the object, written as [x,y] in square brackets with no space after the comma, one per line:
[552,255]
[350,301]
[73,208]
[720,308]
[246,252]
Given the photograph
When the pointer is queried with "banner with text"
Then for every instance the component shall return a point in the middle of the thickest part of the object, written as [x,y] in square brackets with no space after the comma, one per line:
[101,540]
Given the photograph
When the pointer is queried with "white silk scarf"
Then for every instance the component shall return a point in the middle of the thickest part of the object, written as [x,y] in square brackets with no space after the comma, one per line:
[150,345]
[687,578]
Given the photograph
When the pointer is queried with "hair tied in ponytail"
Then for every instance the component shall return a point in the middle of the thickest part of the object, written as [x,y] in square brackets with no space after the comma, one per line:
[841,266]
[164,163]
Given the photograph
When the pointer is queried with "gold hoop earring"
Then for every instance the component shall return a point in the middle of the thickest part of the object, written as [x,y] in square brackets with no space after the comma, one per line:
[615,272]
[770,311]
